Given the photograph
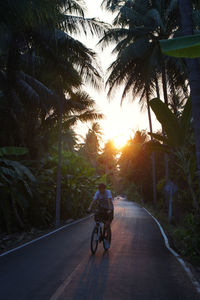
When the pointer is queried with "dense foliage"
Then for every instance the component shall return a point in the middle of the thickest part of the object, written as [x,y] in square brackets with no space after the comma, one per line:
[136,169]
[78,184]
[43,68]
[42,71]
[145,71]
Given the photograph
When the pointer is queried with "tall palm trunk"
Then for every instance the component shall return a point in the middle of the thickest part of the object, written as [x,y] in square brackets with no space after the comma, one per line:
[185,8]
[58,188]
[153,154]
[157,87]
[164,84]
[175,104]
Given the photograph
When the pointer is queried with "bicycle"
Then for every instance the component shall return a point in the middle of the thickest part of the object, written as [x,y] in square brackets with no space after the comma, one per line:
[100,233]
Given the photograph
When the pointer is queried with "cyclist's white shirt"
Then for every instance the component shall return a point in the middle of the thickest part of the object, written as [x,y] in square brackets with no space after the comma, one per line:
[103,199]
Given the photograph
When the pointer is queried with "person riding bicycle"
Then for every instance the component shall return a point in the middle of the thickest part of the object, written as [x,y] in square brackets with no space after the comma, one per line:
[105,210]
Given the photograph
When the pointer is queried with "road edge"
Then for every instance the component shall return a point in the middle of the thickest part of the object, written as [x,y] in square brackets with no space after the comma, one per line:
[194,281]
[44,236]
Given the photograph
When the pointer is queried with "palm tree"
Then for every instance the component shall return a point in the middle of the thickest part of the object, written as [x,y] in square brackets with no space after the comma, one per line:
[139,26]
[42,63]
[85,68]
[185,7]
[108,160]
[84,106]
[91,145]
[35,48]
[140,65]
[135,165]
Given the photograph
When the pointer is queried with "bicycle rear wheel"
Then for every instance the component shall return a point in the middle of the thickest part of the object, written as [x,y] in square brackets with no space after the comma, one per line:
[107,238]
[94,240]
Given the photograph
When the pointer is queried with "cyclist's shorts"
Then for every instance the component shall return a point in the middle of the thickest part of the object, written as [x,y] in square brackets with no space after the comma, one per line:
[102,215]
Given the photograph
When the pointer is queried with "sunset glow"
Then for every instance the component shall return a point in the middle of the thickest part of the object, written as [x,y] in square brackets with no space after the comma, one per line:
[120,141]
[120,121]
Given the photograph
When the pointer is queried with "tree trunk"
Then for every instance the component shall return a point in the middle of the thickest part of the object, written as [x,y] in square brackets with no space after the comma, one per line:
[175,105]
[58,189]
[185,8]
[164,84]
[153,155]
[157,88]
[186,168]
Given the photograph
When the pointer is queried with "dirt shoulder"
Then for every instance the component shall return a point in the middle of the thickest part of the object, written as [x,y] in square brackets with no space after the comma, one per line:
[13,240]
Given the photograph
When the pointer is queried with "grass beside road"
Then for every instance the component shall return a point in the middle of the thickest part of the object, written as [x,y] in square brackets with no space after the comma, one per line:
[183,236]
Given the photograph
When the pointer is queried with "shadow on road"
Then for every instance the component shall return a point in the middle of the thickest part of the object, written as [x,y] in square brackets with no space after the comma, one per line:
[92,281]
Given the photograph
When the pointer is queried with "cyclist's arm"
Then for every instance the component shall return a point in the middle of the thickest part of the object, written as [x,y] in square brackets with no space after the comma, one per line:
[93,201]
[91,204]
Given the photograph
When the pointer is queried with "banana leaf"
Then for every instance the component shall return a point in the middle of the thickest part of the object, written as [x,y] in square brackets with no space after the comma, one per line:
[186,46]
[13,151]
[159,137]
[19,170]
[168,121]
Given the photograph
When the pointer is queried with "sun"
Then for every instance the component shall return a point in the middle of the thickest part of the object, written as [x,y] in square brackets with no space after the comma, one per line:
[120,141]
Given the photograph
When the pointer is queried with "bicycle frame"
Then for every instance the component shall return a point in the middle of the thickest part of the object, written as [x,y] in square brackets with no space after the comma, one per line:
[99,230]
[100,227]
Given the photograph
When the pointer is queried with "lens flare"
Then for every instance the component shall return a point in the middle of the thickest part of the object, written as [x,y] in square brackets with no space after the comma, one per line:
[120,141]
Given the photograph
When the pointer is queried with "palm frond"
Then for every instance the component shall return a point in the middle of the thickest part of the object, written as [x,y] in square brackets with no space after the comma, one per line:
[89,115]
[113,35]
[173,7]
[78,102]
[78,25]
[74,7]
[38,86]
[27,91]
[154,15]
[112,5]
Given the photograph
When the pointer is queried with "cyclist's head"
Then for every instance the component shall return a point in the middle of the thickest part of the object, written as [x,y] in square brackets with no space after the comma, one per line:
[102,187]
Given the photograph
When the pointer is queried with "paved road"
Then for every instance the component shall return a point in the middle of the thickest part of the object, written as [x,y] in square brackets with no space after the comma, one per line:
[60,267]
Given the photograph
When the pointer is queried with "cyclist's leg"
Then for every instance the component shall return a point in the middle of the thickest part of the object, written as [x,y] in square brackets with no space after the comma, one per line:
[111,216]
[107,220]
[107,230]
[97,215]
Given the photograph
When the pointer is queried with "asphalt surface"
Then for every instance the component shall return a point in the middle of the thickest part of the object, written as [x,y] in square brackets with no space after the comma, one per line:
[60,267]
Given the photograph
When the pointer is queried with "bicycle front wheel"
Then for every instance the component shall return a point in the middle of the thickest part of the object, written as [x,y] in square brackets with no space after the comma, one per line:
[94,241]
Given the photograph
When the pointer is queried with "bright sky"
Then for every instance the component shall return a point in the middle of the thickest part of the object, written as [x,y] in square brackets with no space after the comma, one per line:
[120,121]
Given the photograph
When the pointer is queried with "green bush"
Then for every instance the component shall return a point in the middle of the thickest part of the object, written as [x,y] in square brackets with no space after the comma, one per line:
[78,185]
[29,200]
[133,194]
[16,189]
[187,238]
